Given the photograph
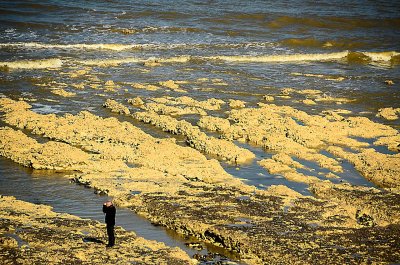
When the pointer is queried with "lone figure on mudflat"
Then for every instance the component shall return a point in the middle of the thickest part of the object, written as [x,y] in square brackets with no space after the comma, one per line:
[110,211]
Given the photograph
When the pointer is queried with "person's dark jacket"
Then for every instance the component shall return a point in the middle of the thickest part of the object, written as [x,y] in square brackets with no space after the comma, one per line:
[110,214]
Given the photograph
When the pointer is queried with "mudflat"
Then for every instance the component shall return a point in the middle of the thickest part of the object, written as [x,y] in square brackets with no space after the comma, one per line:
[34,234]
[179,188]
[266,131]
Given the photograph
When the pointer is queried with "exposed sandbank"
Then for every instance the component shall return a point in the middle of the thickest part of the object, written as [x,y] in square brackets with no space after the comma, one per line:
[47,237]
[179,188]
[289,131]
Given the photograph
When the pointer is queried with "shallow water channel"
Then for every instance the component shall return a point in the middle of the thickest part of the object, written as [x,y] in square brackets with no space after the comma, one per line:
[52,188]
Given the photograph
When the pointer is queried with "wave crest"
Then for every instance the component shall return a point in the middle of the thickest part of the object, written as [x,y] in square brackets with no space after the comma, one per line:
[360,57]
[390,57]
[122,47]
[113,62]
[128,31]
[99,46]
[281,58]
[33,64]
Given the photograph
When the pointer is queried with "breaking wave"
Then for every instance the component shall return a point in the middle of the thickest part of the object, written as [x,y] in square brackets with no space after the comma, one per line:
[281,58]
[391,57]
[128,31]
[32,64]
[351,57]
[100,46]
[113,62]
[122,47]
[345,55]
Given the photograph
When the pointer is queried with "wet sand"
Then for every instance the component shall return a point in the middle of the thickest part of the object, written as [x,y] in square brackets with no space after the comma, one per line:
[179,188]
[266,129]
[34,234]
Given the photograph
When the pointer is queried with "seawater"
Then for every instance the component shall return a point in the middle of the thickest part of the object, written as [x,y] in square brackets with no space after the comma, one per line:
[343,48]
[54,189]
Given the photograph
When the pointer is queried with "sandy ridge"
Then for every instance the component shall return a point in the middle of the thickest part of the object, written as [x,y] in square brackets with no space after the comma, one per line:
[47,237]
[193,195]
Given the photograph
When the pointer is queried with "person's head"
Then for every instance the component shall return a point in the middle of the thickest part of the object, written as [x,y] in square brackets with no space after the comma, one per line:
[109,203]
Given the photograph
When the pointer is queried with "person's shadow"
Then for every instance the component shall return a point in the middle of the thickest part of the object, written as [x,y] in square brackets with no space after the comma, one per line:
[92,240]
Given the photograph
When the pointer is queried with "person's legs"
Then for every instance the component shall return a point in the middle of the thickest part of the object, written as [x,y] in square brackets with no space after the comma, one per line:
[111,237]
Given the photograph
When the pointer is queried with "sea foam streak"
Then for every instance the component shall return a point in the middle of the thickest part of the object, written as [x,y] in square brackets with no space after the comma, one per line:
[97,46]
[384,57]
[363,57]
[33,64]
[112,62]
[381,56]
[372,56]
[121,46]
[350,55]
[282,58]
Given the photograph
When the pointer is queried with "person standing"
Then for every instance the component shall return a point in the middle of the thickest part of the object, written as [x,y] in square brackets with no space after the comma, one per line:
[110,211]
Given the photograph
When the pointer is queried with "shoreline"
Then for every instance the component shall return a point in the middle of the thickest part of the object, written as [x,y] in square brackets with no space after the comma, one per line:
[195,196]
[33,233]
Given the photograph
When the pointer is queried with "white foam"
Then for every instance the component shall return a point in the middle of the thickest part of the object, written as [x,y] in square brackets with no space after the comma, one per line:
[109,62]
[33,64]
[281,58]
[99,46]
[113,62]
[376,57]
[381,56]
[122,47]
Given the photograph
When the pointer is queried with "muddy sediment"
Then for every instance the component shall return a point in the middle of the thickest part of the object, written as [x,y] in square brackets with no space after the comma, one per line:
[237,104]
[114,140]
[63,93]
[295,133]
[34,234]
[285,169]
[52,155]
[116,107]
[263,229]
[379,207]
[261,134]
[389,113]
[195,138]
[172,110]
[209,104]
[382,169]
[172,85]
[313,96]
[179,188]
[392,142]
